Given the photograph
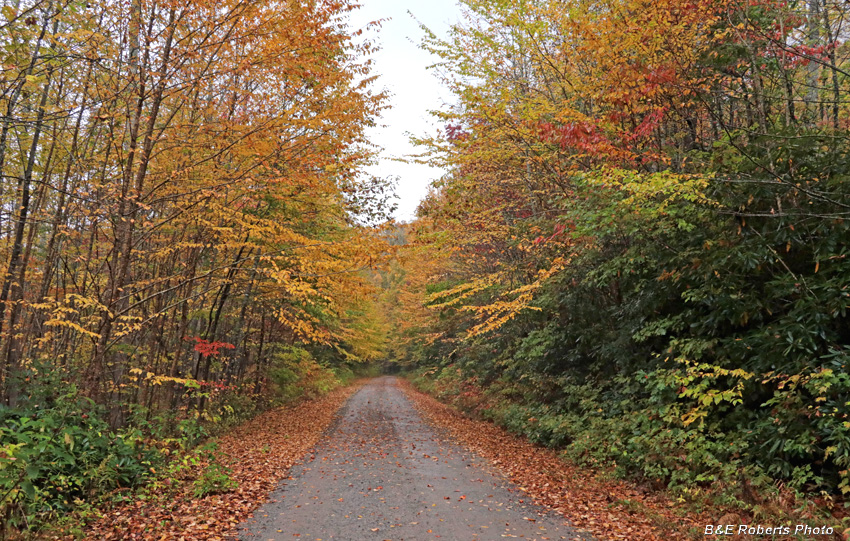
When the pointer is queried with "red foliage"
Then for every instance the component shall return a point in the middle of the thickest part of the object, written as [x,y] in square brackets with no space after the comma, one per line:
[217,386]
[649,124]
[578,135]
[207,348]
[455,132]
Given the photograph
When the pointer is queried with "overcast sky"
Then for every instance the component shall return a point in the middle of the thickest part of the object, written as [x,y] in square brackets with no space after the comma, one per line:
[414,90]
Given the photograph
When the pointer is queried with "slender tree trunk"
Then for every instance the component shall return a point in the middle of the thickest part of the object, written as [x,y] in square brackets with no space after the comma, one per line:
[212,327]
[59,219]
[15,259]
[130,205]
[813,22]
[831,44]
[9,117]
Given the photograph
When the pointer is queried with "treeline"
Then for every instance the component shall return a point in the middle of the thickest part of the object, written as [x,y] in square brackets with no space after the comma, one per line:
[639,253]
[184,229]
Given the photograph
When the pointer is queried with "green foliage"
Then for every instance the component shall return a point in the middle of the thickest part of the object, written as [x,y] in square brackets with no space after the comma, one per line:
[56,456]
[707,356]
[295,374]
[215,477]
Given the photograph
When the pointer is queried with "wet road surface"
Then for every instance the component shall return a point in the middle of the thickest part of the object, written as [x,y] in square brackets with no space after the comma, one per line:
[381,472]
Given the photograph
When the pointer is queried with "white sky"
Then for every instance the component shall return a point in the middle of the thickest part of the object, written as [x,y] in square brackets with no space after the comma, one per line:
[414,90]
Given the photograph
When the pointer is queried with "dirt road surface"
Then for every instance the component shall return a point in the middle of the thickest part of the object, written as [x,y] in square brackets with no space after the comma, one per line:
[382,473]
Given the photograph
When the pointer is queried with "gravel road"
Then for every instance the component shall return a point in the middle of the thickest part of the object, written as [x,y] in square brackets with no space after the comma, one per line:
[381,472]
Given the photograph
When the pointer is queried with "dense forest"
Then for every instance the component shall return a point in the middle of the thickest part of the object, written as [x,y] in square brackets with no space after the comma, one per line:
[184,230]
[639,253]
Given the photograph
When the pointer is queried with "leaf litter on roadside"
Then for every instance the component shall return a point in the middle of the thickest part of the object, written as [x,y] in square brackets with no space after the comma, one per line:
[259,454]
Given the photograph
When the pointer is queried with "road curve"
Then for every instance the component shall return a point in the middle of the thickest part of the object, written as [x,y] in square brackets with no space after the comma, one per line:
[380,472]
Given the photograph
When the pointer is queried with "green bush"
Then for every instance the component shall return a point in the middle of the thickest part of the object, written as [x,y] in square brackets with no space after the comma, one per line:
[56,456]
[215,477]
[296,374]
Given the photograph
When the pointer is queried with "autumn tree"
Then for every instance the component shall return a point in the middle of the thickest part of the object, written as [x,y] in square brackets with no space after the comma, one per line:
[181,203]
[640,245]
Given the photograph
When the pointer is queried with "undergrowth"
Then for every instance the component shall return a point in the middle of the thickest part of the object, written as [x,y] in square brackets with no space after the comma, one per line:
[639,441]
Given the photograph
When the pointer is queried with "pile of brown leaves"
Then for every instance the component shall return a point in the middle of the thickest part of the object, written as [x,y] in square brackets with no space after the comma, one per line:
[607,508]
[259,453]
